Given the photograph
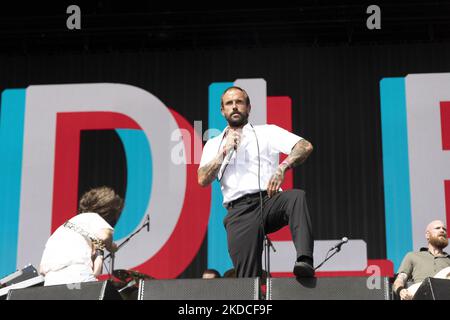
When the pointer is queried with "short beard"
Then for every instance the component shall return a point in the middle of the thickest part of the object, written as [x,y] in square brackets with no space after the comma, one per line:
[238,123]
[438,243]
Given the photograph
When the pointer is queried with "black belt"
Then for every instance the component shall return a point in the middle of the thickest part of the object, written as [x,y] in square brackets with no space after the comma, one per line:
[245,198]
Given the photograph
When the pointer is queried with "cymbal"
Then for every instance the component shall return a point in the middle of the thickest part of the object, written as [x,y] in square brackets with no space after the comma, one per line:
[128,275]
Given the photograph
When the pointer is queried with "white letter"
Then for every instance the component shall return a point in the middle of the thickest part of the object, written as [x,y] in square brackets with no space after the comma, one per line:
[374,21]
[73,21]
[198,145]
[374,281]
[177,154]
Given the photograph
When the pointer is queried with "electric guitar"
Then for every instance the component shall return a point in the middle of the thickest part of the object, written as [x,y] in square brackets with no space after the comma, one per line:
[443,274]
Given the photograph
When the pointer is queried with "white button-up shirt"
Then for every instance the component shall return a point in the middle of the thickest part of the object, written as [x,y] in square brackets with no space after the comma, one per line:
[240,176]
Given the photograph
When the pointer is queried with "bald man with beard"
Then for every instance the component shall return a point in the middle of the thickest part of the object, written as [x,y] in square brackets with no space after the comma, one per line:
[428,262]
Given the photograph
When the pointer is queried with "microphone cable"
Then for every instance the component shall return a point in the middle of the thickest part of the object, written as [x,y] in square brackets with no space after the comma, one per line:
[266,248]
[219,179]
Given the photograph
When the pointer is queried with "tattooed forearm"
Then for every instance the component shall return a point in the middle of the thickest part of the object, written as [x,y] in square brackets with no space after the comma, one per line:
[299,153]
[208,172]
[400,281]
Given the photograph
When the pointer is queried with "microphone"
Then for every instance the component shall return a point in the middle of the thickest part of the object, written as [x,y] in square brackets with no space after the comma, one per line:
[129,285]
[235,140]
[224,164]
[227,158]
[338,245]
[148,223]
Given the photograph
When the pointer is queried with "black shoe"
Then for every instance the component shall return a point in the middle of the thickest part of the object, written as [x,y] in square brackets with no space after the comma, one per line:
[303,270]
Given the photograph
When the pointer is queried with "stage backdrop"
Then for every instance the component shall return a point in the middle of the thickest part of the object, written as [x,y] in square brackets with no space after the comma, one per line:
[136,121]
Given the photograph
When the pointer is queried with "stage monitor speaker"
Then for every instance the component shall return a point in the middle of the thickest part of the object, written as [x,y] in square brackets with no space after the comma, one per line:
[433,289]
[103,290]
[200,289]
[333,288]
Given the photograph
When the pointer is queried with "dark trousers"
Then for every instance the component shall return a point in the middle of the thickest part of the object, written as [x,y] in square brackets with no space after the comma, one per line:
[245,234]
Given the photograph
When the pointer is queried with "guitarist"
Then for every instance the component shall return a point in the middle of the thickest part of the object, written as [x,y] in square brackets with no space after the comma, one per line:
[428,262]
[74,252]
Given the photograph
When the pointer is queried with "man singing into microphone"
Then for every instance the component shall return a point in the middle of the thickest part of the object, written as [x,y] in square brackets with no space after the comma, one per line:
[238,157]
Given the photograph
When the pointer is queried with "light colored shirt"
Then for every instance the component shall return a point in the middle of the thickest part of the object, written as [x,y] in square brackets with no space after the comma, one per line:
[68,254]
[240,176]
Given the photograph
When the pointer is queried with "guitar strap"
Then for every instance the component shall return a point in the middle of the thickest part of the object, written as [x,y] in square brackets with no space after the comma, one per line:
[98,243]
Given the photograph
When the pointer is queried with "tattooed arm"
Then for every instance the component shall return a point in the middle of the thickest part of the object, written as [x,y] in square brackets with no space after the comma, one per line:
[298,155]
[208,172]
[399,287]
